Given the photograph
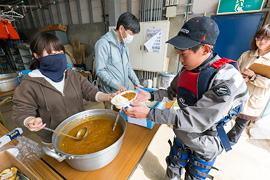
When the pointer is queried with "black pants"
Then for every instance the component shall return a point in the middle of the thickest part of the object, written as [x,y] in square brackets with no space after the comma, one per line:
[236,131]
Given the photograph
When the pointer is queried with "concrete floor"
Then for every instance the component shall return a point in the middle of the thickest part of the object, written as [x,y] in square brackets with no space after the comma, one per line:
[249,159]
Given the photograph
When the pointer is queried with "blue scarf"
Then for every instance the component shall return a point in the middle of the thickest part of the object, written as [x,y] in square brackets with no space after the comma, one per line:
[53,66]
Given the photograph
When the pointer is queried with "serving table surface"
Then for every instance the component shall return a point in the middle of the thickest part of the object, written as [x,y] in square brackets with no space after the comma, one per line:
[134,145]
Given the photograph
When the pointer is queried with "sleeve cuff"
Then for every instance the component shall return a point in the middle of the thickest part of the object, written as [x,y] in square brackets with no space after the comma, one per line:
[253,77]
[26,119]
[152,96]
[96,97]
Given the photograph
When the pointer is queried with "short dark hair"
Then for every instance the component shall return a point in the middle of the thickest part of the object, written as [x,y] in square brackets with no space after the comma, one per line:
[44,41]
[129,21]
[262,32]
[197,47]
[194,48]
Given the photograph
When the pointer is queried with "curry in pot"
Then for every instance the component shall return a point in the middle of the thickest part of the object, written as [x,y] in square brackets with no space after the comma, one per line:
[100,136]
[129,95]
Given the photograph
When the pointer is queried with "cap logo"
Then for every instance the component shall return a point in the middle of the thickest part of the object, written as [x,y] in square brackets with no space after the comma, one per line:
[203,38]
[184,31]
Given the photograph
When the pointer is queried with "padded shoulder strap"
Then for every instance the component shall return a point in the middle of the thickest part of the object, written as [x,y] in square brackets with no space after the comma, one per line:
[219,63]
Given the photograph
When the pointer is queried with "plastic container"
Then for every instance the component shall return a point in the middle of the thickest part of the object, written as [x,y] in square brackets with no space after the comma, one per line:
[145,122]
[119,100]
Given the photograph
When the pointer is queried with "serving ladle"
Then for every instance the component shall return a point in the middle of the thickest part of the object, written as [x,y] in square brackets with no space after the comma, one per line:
[117,118]
[118,115]
[80,135]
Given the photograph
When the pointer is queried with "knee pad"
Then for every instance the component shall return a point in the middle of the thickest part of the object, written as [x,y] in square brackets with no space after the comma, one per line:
[199,168]
[178,154]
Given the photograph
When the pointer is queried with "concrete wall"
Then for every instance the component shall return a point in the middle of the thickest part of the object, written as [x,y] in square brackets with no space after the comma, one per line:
[84,6]
[26,34]
[196,8]
[87,34]
[175,25]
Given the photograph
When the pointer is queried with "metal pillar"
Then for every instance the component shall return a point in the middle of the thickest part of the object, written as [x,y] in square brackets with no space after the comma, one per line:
[90,11]
[50,12]
[68,12]
[58,11]
[129,6]
[79,11]
[114,11]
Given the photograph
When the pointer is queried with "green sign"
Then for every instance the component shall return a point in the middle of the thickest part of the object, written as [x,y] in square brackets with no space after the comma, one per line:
[239,6]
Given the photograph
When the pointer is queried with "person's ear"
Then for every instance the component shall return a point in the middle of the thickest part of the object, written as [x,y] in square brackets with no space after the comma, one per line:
[35,55]
[121,28]
[206,49]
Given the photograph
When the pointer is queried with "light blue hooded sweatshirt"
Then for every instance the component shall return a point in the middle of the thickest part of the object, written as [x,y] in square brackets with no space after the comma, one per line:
[113,69]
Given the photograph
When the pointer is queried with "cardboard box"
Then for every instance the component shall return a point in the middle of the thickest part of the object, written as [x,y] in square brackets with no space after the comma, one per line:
[145,122]
[51,27]
[7,160]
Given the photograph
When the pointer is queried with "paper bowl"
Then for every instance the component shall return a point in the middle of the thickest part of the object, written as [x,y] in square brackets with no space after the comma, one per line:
[119,101]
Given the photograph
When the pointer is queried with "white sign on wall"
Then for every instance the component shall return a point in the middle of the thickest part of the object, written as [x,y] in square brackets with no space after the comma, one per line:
[153,40]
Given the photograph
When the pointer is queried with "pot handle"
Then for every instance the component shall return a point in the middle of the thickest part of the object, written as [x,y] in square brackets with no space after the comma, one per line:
[53,154]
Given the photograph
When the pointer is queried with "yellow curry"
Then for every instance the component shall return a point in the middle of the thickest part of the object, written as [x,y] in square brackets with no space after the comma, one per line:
[129,95]
[100,136]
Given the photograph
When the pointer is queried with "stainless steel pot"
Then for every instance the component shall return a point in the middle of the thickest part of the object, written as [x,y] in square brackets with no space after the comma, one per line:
[87,162]
[164,79]
[8,82]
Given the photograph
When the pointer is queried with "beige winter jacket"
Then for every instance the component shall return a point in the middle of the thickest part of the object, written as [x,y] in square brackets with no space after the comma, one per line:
[259,89]
[37,97]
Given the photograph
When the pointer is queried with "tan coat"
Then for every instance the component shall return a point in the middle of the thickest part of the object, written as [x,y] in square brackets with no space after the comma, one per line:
[259,89]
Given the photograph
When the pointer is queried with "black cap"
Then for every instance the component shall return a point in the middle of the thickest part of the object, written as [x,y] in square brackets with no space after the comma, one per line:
[195,31]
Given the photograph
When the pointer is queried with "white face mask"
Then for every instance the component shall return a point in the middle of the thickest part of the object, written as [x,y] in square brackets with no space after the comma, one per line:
[128,39]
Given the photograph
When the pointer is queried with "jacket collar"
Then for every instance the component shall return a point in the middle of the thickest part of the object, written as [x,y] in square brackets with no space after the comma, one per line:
[210,60]
[256,54]
[42,80]
[267,55]
[112,38]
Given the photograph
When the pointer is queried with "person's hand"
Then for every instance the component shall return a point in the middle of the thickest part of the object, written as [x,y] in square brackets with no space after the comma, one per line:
[141,96]
[138,111]
[138,85]
[246,78]
[122,89]
[112,95]
[34,124]
[248,72]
